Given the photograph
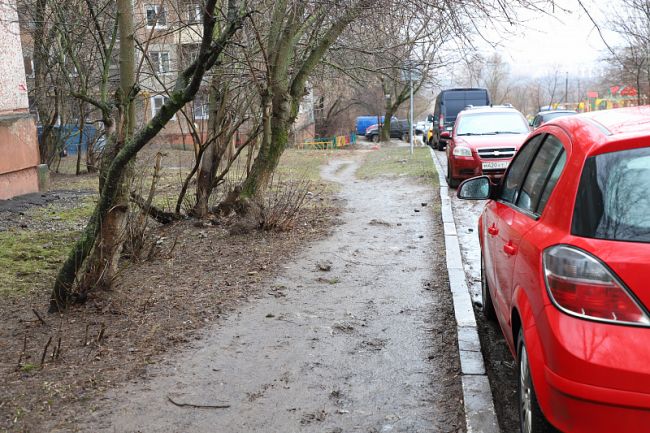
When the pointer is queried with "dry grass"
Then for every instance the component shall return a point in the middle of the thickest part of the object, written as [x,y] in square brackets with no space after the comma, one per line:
[397,161]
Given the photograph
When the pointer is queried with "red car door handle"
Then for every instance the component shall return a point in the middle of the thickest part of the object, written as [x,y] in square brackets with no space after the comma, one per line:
[509,249]
[493,230]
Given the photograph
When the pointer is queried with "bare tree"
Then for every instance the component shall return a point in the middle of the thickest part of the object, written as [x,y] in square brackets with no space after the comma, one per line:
[214,39]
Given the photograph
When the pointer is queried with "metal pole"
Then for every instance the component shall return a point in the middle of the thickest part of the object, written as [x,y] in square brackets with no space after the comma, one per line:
[566,89]
[411,107]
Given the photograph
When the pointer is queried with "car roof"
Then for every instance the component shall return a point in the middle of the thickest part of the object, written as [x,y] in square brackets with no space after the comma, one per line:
[542,113]
[489,109]
[607,129]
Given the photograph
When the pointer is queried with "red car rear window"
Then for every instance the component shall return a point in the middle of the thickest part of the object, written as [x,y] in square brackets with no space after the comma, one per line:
[613,199]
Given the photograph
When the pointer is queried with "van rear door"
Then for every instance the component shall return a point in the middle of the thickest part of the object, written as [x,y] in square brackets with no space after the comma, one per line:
[477,98]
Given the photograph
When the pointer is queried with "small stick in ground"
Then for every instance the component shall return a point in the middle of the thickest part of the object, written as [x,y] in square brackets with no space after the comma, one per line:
[85,343]
[39,316]
[45,351]
[101,333]
[198,406]
[57,349]
[22,354]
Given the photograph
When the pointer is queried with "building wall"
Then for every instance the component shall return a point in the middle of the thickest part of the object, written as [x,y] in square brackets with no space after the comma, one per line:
[19,156]
[176,37]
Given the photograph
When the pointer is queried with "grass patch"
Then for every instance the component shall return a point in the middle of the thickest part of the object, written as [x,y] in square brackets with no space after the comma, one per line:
[28,368]
[397,161]
[303,164]
[83,182]
[72,216]
[30,259]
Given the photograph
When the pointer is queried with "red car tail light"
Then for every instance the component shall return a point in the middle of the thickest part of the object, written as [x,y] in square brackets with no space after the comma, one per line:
[441,123]
[581,285]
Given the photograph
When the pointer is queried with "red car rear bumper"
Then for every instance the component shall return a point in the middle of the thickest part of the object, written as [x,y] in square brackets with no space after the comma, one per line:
[593,377]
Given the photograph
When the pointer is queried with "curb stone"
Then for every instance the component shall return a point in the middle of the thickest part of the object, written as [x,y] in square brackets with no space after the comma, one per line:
[477,396]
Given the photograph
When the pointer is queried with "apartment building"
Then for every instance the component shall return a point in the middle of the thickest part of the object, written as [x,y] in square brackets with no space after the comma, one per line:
[19,157]
[168,34]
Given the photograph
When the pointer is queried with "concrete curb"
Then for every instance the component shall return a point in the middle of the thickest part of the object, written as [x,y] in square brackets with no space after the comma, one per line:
[477,396]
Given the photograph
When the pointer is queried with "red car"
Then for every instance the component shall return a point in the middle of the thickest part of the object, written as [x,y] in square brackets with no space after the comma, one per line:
[483,141]
[565,261]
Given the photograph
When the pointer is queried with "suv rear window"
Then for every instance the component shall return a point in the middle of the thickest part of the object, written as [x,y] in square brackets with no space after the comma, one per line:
[613,200]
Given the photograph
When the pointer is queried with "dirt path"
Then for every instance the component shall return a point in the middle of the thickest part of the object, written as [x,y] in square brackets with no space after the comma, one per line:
[363,346]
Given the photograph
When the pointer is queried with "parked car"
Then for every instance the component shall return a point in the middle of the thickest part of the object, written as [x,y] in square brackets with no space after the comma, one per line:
[565,254]
[483,141]
[398,129]
[363,122]
[544,116]
[449,103]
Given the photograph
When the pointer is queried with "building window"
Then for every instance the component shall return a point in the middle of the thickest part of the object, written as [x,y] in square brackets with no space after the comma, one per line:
[201,107]
[193,13]
[156,104]
[156,16]
[159,62]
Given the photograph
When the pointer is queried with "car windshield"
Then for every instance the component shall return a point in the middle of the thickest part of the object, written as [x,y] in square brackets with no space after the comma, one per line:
[491,123]
[613,201]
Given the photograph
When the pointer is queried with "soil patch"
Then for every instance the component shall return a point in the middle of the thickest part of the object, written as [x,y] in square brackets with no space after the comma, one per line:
[53,367]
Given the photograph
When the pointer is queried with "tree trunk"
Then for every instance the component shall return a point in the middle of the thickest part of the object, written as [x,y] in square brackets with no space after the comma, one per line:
[46,110]
[210,162]
[187,85]
[82,126]
[385,129]
[207,172]
[102,266]
[274,142]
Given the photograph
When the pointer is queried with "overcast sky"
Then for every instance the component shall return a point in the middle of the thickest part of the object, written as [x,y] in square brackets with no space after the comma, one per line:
[564,39]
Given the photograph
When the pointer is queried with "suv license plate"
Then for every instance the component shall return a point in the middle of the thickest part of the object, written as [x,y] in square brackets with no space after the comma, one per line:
[495,165]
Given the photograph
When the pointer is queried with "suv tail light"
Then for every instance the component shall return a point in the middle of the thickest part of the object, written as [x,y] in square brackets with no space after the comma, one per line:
[581,285]
[441,124]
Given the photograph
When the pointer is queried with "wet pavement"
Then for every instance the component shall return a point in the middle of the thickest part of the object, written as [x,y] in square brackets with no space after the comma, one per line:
[344,340]
[466,214]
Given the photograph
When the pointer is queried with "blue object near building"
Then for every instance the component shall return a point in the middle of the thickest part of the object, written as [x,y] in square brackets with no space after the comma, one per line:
[69,135]
[363,122]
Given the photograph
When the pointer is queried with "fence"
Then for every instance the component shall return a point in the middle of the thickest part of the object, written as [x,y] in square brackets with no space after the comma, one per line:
[336,142]
[68,137]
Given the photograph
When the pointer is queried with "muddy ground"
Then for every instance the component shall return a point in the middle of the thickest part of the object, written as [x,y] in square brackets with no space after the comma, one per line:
[352,333]
[54,369]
